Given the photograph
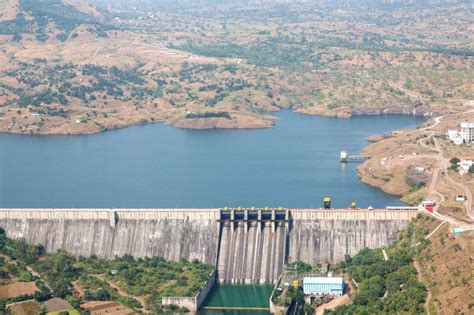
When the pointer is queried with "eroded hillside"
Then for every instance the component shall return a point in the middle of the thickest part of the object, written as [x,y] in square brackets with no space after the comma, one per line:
[447,268]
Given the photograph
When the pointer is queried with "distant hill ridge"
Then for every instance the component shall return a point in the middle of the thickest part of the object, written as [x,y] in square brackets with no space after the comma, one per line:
[47,17]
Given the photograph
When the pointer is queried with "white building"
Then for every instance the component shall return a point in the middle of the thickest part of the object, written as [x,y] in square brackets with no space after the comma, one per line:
[455,136]
[465,135]
[323,285]
[465,164]
[467,131]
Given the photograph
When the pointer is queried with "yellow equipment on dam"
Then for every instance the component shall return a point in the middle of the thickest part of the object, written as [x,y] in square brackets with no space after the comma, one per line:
[327,203]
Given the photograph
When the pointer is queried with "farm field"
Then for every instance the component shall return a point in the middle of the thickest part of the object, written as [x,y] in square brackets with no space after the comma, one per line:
[15,289]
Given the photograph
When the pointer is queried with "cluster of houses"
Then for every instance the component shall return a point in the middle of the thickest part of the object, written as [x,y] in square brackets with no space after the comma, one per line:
[464,135]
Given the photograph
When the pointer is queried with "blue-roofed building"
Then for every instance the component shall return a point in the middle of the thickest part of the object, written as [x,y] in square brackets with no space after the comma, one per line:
[323,285]
[458,231]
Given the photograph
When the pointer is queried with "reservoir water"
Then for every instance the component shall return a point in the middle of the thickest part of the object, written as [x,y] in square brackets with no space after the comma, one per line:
[295,164]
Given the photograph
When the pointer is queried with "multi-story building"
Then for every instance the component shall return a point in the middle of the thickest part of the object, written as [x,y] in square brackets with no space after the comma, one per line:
[467,131]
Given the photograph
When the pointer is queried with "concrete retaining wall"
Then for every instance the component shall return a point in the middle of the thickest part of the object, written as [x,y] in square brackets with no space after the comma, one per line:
[192,303]
[205,290]
[277,309]
[188,302]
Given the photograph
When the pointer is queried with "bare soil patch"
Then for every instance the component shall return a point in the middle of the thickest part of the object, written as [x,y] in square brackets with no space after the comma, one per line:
[106,307]
[17,289]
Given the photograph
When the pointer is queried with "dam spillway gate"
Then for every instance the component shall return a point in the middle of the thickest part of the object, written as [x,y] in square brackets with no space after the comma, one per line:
[252,245]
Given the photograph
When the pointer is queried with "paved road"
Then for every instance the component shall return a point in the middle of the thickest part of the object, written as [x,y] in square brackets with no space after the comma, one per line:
[436,229]
[436,123]
[438,119]
[444,161]
[467,192]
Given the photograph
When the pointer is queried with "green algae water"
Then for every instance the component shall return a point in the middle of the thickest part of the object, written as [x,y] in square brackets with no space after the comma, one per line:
[237,296]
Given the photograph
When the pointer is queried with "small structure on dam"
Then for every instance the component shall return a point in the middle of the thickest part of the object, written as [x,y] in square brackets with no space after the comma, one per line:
[245,245]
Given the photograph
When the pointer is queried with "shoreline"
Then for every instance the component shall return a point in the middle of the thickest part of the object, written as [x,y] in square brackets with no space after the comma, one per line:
[268,121]
[414,165]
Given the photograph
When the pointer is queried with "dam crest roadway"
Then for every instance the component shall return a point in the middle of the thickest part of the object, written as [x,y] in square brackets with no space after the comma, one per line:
[246,245]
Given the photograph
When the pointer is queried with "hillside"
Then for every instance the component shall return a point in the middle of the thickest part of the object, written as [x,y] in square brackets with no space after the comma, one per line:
[421,275]
[417,165]
[71,67]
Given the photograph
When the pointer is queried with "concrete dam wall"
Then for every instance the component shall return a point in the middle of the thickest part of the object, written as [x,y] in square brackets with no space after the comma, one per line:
[327,236]
[172,234]
[244,249]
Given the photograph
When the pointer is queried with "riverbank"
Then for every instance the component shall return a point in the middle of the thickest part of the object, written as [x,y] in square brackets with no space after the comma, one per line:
[413,164]
[59,125]
[76,126]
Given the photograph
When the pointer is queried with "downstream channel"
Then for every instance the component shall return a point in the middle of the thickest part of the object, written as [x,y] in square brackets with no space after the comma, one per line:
[239,299]
[295,164]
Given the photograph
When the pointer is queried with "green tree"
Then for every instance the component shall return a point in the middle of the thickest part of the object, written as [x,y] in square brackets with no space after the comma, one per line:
[2,238]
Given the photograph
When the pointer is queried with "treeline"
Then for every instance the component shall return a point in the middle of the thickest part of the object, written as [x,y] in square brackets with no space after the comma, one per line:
[263,54]
[285,51]
[25,255]
[220,114]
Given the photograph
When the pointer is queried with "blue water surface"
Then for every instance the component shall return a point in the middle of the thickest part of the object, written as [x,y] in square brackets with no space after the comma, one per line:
[295,164]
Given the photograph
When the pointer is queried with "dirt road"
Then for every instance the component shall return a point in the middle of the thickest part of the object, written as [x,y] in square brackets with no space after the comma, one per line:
[337,301]
[119,290]
[467,192]
[429,295]
[444,165]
